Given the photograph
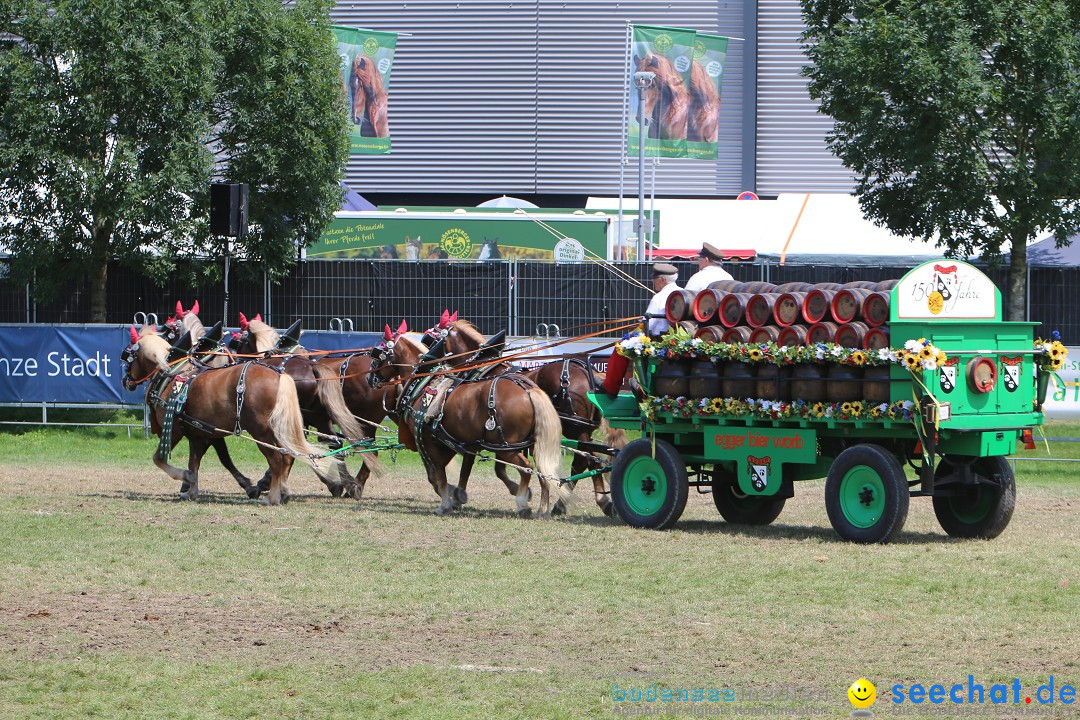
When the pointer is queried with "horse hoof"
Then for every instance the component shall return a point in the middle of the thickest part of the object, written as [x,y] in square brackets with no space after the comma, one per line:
[336,490]
[525,513]
[184,487]
[185,496]
[609,509]
[253,493]
[559,508]
[440,511]
[356,492]
[461,496]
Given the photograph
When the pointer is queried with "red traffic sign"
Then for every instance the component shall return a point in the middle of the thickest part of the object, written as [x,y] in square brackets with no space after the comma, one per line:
[747,195]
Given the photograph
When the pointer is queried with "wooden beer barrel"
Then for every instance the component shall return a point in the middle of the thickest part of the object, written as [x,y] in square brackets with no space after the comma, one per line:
[689,326]
[821,332]
[815,306]
[844,383]
[794,287]
[876,338]
[726,285]
[704,379]
[706,303]
[774,382]
[865,284]
[732,309]
[760,308]
[875,308]
[672,378]
[886,285]
[792,336]
[710,333]
[876,384]
[739,379]
[739,334]
[756,287]
[829,286]
[678,304]
[845,304]
[851,335]
[788,308]
[764,334]
[808,382]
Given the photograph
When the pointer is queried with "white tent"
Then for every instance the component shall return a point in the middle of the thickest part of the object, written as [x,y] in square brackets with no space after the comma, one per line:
[803,228]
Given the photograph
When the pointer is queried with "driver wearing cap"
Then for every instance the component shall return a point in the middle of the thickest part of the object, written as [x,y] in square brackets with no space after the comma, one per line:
[709,269]
[665,281]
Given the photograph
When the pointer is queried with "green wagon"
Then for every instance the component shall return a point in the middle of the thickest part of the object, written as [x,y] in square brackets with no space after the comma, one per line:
[953,423]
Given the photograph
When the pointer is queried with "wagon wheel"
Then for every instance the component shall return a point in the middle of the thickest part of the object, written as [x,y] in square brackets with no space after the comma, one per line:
[982,510]
[740,509]
[866,494]
[649,491]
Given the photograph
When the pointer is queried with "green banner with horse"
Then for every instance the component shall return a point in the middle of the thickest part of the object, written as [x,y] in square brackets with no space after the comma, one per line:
[367,57]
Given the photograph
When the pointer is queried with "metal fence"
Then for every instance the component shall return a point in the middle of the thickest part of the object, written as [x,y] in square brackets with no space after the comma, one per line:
[515,295]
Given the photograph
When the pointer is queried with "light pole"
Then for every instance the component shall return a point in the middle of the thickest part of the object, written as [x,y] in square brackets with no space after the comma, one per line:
[642,81]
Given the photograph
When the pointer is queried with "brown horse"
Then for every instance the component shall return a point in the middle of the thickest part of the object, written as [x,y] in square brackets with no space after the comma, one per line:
[247,397]
[440,416]
[367,86]
[567,382]
[320,393]
[667,101]
[703,123]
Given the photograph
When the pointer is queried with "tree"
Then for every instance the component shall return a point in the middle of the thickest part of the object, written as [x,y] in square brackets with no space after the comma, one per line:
[960,118]
[115,117]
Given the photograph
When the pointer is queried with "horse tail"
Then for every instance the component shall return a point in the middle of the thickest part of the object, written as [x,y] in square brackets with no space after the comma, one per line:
[547,445]
[614,437]
[287,423]
[333,401]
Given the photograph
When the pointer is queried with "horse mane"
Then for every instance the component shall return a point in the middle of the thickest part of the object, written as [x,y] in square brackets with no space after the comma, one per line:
[466,328]
[368,79]
[703,124]
[263,336]
[669,92]
[193,325]
[154,347]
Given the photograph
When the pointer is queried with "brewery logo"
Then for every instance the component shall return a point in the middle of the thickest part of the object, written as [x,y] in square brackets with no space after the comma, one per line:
[1010,371]
[371,46]
[456,242]
[948,375]
[759,471]
[662,43]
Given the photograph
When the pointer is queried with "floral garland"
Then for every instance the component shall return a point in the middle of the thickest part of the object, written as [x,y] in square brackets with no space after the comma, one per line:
[915,355]
[777,409]
[1053,352]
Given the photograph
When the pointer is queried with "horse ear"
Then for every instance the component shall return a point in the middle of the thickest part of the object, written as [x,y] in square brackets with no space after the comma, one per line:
[445,319]
[195,308]
[258,316]
[402,328]
[179,309]
[387,334]
[243,322]
[134,335]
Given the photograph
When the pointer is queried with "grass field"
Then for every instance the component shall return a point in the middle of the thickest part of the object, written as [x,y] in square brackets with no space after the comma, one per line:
[118,601]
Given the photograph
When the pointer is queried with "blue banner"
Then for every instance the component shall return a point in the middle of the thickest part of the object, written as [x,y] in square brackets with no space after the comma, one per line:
[81,363]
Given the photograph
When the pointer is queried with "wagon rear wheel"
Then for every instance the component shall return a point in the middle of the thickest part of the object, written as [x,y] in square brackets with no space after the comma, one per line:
[649,491]
[866,494]
[982,510]
[740,509]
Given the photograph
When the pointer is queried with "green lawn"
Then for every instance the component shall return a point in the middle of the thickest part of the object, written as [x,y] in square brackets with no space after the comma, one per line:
[118,601]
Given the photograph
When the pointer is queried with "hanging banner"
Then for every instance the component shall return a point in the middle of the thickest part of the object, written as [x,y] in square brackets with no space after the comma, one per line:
[668,54]
[366,59]
[706,81]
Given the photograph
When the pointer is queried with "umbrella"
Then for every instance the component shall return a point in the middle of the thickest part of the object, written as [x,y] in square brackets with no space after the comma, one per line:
[354,200]
[507,202]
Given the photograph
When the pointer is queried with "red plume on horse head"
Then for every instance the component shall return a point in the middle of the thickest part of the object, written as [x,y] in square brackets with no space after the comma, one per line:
[444,320]
[402,328]
[452,319]
[180,310]
[387,334]
[195,308]
[258,317]
[243,322]
[134,335]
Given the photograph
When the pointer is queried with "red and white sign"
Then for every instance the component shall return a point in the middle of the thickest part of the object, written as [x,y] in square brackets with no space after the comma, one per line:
[947,289]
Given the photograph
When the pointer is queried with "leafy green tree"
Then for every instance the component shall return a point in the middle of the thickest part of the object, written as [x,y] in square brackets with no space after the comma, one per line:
[115,118]
[960,118]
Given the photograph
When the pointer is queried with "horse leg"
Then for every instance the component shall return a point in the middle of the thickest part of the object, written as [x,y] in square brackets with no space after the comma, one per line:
[225,459]
[280,466]
[436,466]
[524,494]
[196,450]
[184,476]
[502,474]
[460,494]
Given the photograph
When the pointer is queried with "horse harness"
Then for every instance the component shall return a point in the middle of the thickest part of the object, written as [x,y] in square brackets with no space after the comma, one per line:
[173,402]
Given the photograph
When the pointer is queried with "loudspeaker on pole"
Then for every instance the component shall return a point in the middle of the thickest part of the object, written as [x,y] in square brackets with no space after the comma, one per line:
[229,209]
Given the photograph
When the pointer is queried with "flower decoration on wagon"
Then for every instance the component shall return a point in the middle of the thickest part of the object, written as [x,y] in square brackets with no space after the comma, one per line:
[1052,353]
[921,354]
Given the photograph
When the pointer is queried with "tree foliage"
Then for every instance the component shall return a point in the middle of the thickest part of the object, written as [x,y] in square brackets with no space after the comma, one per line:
[960,118]
[115,118]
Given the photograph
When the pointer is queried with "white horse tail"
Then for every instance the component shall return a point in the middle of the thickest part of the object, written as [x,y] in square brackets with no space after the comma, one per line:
[547,445]
[287,423]
[329,391]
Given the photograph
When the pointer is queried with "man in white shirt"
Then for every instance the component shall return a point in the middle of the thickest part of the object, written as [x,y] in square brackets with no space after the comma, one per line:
[665,281]
[709,269]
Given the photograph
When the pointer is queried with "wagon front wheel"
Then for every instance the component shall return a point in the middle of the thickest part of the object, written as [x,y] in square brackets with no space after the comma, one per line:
[866,494]
[982,510]
[649,490]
